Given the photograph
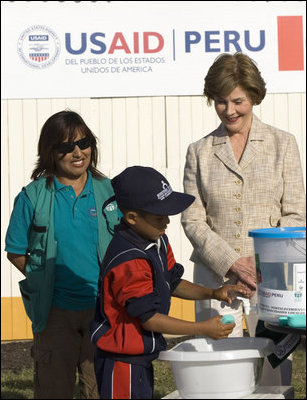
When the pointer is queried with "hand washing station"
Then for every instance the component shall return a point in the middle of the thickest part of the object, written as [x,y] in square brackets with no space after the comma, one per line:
[280,261]
[230,368]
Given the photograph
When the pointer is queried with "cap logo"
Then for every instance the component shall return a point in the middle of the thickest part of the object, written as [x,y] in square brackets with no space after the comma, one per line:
[167,190]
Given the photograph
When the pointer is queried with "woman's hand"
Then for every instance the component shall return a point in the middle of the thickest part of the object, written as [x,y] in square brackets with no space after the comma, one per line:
[249,291]
[244,268]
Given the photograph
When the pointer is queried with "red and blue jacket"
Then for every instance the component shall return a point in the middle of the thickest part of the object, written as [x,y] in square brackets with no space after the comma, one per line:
[136,282]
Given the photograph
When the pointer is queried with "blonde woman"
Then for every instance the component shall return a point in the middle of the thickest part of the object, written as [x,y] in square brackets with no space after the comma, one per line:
[244,175]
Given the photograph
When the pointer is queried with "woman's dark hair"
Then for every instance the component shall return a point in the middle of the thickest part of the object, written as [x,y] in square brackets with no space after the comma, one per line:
[59,127]
[229,71]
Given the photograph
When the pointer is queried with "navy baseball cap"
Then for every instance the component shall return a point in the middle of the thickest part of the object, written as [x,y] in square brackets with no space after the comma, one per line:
[145,189]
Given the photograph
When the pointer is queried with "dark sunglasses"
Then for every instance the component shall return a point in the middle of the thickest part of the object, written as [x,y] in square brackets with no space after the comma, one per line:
[68,147]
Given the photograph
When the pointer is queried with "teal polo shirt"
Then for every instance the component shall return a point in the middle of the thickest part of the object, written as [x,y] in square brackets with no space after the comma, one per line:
[76,233]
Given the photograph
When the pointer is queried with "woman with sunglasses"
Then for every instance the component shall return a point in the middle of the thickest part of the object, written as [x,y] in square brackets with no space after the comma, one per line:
[57,236]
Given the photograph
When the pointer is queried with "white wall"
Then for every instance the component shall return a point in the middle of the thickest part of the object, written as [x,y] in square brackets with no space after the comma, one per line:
[150,131]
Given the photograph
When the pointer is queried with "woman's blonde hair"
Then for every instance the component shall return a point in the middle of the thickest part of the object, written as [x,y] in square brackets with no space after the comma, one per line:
[229,71]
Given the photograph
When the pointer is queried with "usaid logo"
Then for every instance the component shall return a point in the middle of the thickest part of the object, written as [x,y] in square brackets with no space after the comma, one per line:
[38,46]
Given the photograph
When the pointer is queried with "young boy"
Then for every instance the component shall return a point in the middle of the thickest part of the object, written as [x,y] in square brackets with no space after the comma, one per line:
[139,276]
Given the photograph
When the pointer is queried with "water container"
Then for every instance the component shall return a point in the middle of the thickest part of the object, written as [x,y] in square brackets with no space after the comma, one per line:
[280,261]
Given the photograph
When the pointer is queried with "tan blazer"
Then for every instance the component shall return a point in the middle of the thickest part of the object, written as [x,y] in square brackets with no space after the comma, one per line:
[264,190]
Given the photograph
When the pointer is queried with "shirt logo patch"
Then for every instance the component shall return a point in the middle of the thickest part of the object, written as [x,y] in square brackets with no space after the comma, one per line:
[92,212]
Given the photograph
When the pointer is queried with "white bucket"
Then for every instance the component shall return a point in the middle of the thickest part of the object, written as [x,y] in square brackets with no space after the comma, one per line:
[280,261]
[230,368]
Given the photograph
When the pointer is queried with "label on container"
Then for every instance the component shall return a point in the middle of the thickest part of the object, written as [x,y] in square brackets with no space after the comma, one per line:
[299,277]
[281,302]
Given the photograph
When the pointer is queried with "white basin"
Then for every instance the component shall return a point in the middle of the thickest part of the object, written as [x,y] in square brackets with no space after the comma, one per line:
[217,369]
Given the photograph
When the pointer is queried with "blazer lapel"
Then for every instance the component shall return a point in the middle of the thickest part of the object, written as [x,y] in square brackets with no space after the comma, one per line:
[254,142]
[222,149]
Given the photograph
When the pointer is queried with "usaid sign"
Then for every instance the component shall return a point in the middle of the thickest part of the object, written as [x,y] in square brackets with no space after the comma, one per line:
[150,48]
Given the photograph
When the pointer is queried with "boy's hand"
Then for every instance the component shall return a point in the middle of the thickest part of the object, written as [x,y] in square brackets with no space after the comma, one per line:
[229,292]
[215,329]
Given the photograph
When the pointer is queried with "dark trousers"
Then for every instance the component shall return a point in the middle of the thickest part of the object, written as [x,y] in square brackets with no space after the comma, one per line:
[61,350]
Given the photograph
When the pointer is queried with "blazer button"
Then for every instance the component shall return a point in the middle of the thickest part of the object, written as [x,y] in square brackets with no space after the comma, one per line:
[238,235]
[273,221]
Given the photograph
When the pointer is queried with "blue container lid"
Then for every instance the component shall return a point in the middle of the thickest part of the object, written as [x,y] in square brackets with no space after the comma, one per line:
[279,233]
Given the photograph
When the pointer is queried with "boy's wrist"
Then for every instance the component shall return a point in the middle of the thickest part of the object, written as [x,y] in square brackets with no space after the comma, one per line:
[207,294]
